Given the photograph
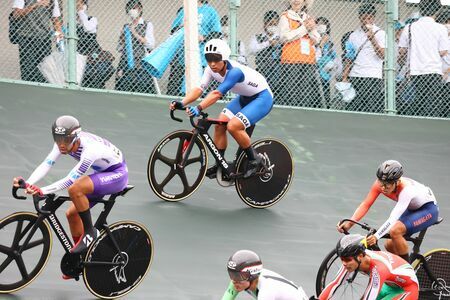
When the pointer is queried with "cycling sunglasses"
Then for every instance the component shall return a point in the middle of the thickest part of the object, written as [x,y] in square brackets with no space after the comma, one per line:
[238,276]
[213,57]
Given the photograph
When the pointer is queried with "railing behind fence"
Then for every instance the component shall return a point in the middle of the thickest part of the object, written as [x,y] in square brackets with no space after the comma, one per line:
[327,54]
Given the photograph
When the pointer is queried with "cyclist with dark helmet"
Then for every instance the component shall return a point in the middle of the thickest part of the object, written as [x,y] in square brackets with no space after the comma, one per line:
[110,175]
[253,102]
[415,210]
[247,274]
[391,277]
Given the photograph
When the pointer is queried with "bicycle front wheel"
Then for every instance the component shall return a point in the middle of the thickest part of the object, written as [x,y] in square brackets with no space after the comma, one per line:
[110,274]
[438,262]
[347,290]
[167,179]
[266,189]
[25,247]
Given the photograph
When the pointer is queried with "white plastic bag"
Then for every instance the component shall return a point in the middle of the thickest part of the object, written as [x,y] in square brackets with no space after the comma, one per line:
[53,67]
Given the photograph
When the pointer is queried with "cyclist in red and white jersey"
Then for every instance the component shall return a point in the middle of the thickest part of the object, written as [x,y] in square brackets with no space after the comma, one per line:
[391,277]
[415,210]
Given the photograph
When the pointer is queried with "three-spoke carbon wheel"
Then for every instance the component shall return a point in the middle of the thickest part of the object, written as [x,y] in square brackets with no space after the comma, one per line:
[24,250]
[109,273]
[438,261]
[346,290]
[167,179]
[269,187]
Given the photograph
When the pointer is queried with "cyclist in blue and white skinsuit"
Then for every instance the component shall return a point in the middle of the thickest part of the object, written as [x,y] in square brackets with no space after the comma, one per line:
[93,152]
[253,102]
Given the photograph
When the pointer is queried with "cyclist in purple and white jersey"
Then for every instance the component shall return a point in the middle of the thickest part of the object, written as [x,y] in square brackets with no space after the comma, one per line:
[110,175]
[253,102]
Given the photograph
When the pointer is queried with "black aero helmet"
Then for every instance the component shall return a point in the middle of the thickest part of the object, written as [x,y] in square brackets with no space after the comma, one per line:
[244,265]
[390,171]
[65,129]
[350,245]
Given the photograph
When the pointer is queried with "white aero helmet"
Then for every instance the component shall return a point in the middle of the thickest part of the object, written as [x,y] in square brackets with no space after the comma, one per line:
[218,49]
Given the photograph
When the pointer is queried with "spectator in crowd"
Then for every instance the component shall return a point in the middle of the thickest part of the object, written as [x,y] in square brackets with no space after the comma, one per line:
[327,58]
[99,67]
[427,42]
[298,33]
[34,34]
[445,20]
[363,65]
[242,53]
[136,41]
[208,28]
[267,49]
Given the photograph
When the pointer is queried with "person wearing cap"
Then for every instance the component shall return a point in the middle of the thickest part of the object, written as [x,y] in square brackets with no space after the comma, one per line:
[422,45]
[364,70]
[247,274]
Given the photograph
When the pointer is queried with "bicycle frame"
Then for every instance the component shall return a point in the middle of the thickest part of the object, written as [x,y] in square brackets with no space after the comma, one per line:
[51,204]
[201,131]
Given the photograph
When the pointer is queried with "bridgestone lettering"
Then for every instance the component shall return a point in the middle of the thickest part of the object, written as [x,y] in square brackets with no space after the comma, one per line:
[60,232]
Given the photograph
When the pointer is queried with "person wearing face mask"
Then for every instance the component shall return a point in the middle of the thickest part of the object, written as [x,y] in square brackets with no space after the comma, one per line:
[299,37]
[364,69]
[99,67]
[242,52]
[327,58]
[136,41]
[267,49]
[423,44]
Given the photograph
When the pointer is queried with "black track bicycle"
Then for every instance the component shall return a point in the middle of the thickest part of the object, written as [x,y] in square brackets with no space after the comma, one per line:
[432,270]
[113,266]
[178,164]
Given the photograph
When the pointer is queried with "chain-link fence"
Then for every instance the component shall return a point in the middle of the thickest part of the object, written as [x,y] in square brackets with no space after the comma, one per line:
[329,54]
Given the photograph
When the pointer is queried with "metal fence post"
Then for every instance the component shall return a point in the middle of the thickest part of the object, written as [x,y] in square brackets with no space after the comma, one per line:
[72,45]
[390,66]
[234,4]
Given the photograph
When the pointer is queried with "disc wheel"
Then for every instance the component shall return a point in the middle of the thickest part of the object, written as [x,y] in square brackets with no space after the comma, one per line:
[268,187]
[106,280]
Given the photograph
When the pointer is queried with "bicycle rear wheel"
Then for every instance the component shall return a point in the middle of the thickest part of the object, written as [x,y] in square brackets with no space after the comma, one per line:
[167,180]
[345,291]
[438,261]
[111,281]
[262,191]
[21,261]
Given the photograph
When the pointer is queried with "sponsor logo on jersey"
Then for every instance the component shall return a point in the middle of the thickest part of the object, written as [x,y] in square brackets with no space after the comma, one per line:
[253,84]
[243,119]
[109,178]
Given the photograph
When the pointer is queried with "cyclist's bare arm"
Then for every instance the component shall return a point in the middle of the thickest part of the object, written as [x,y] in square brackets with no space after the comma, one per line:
[192,95]
[363,208]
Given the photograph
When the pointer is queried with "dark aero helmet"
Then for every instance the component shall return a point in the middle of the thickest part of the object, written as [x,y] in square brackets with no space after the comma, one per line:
[350,245]
[244,265]
[390,170]
[65,129]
